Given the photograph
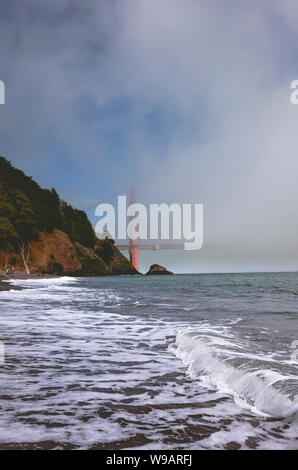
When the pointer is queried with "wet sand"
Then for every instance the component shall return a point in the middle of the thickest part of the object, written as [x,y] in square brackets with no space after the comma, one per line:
[5,285]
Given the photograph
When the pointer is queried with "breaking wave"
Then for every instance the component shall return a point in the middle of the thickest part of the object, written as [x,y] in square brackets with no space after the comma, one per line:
[219,361]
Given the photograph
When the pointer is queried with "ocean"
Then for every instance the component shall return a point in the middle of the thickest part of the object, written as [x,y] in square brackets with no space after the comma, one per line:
[202,361]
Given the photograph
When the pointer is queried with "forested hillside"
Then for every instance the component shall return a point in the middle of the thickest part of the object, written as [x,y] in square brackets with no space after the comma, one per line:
[28,213]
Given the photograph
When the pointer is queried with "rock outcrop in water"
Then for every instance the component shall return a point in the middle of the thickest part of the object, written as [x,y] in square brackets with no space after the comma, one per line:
[157,269]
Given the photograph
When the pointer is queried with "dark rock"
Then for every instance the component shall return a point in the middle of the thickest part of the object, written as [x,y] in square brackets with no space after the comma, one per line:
[157,269]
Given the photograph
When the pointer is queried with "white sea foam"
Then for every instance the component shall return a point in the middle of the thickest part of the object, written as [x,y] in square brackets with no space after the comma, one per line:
[252,387]
[91,362]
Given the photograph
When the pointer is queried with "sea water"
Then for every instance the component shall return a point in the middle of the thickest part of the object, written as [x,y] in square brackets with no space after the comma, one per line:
[201,361]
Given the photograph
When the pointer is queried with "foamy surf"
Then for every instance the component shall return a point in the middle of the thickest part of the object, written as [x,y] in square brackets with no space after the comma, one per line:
[214,360]
[89,363]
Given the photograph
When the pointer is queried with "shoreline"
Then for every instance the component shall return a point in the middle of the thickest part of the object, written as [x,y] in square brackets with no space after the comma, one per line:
[5,284]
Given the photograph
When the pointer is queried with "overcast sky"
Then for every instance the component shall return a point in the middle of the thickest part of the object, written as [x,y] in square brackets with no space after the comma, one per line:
[189,100]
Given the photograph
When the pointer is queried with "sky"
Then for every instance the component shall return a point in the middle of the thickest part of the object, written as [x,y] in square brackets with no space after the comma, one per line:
[187,100]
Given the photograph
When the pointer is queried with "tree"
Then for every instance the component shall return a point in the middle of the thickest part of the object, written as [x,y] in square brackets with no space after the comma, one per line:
[8,237]
[105,249]
[24,249]
[25,225]
[77,225]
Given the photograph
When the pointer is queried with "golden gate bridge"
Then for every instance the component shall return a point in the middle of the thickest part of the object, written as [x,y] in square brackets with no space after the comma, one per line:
[134,246]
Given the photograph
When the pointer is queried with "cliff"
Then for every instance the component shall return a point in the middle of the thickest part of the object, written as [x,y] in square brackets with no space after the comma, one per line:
[52,253]
[40,232]
[101,260]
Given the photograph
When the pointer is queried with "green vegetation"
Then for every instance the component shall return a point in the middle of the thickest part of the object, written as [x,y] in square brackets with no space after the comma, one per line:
[103,259]
[92,265]
[77,226]
[26,210]
[105,249]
